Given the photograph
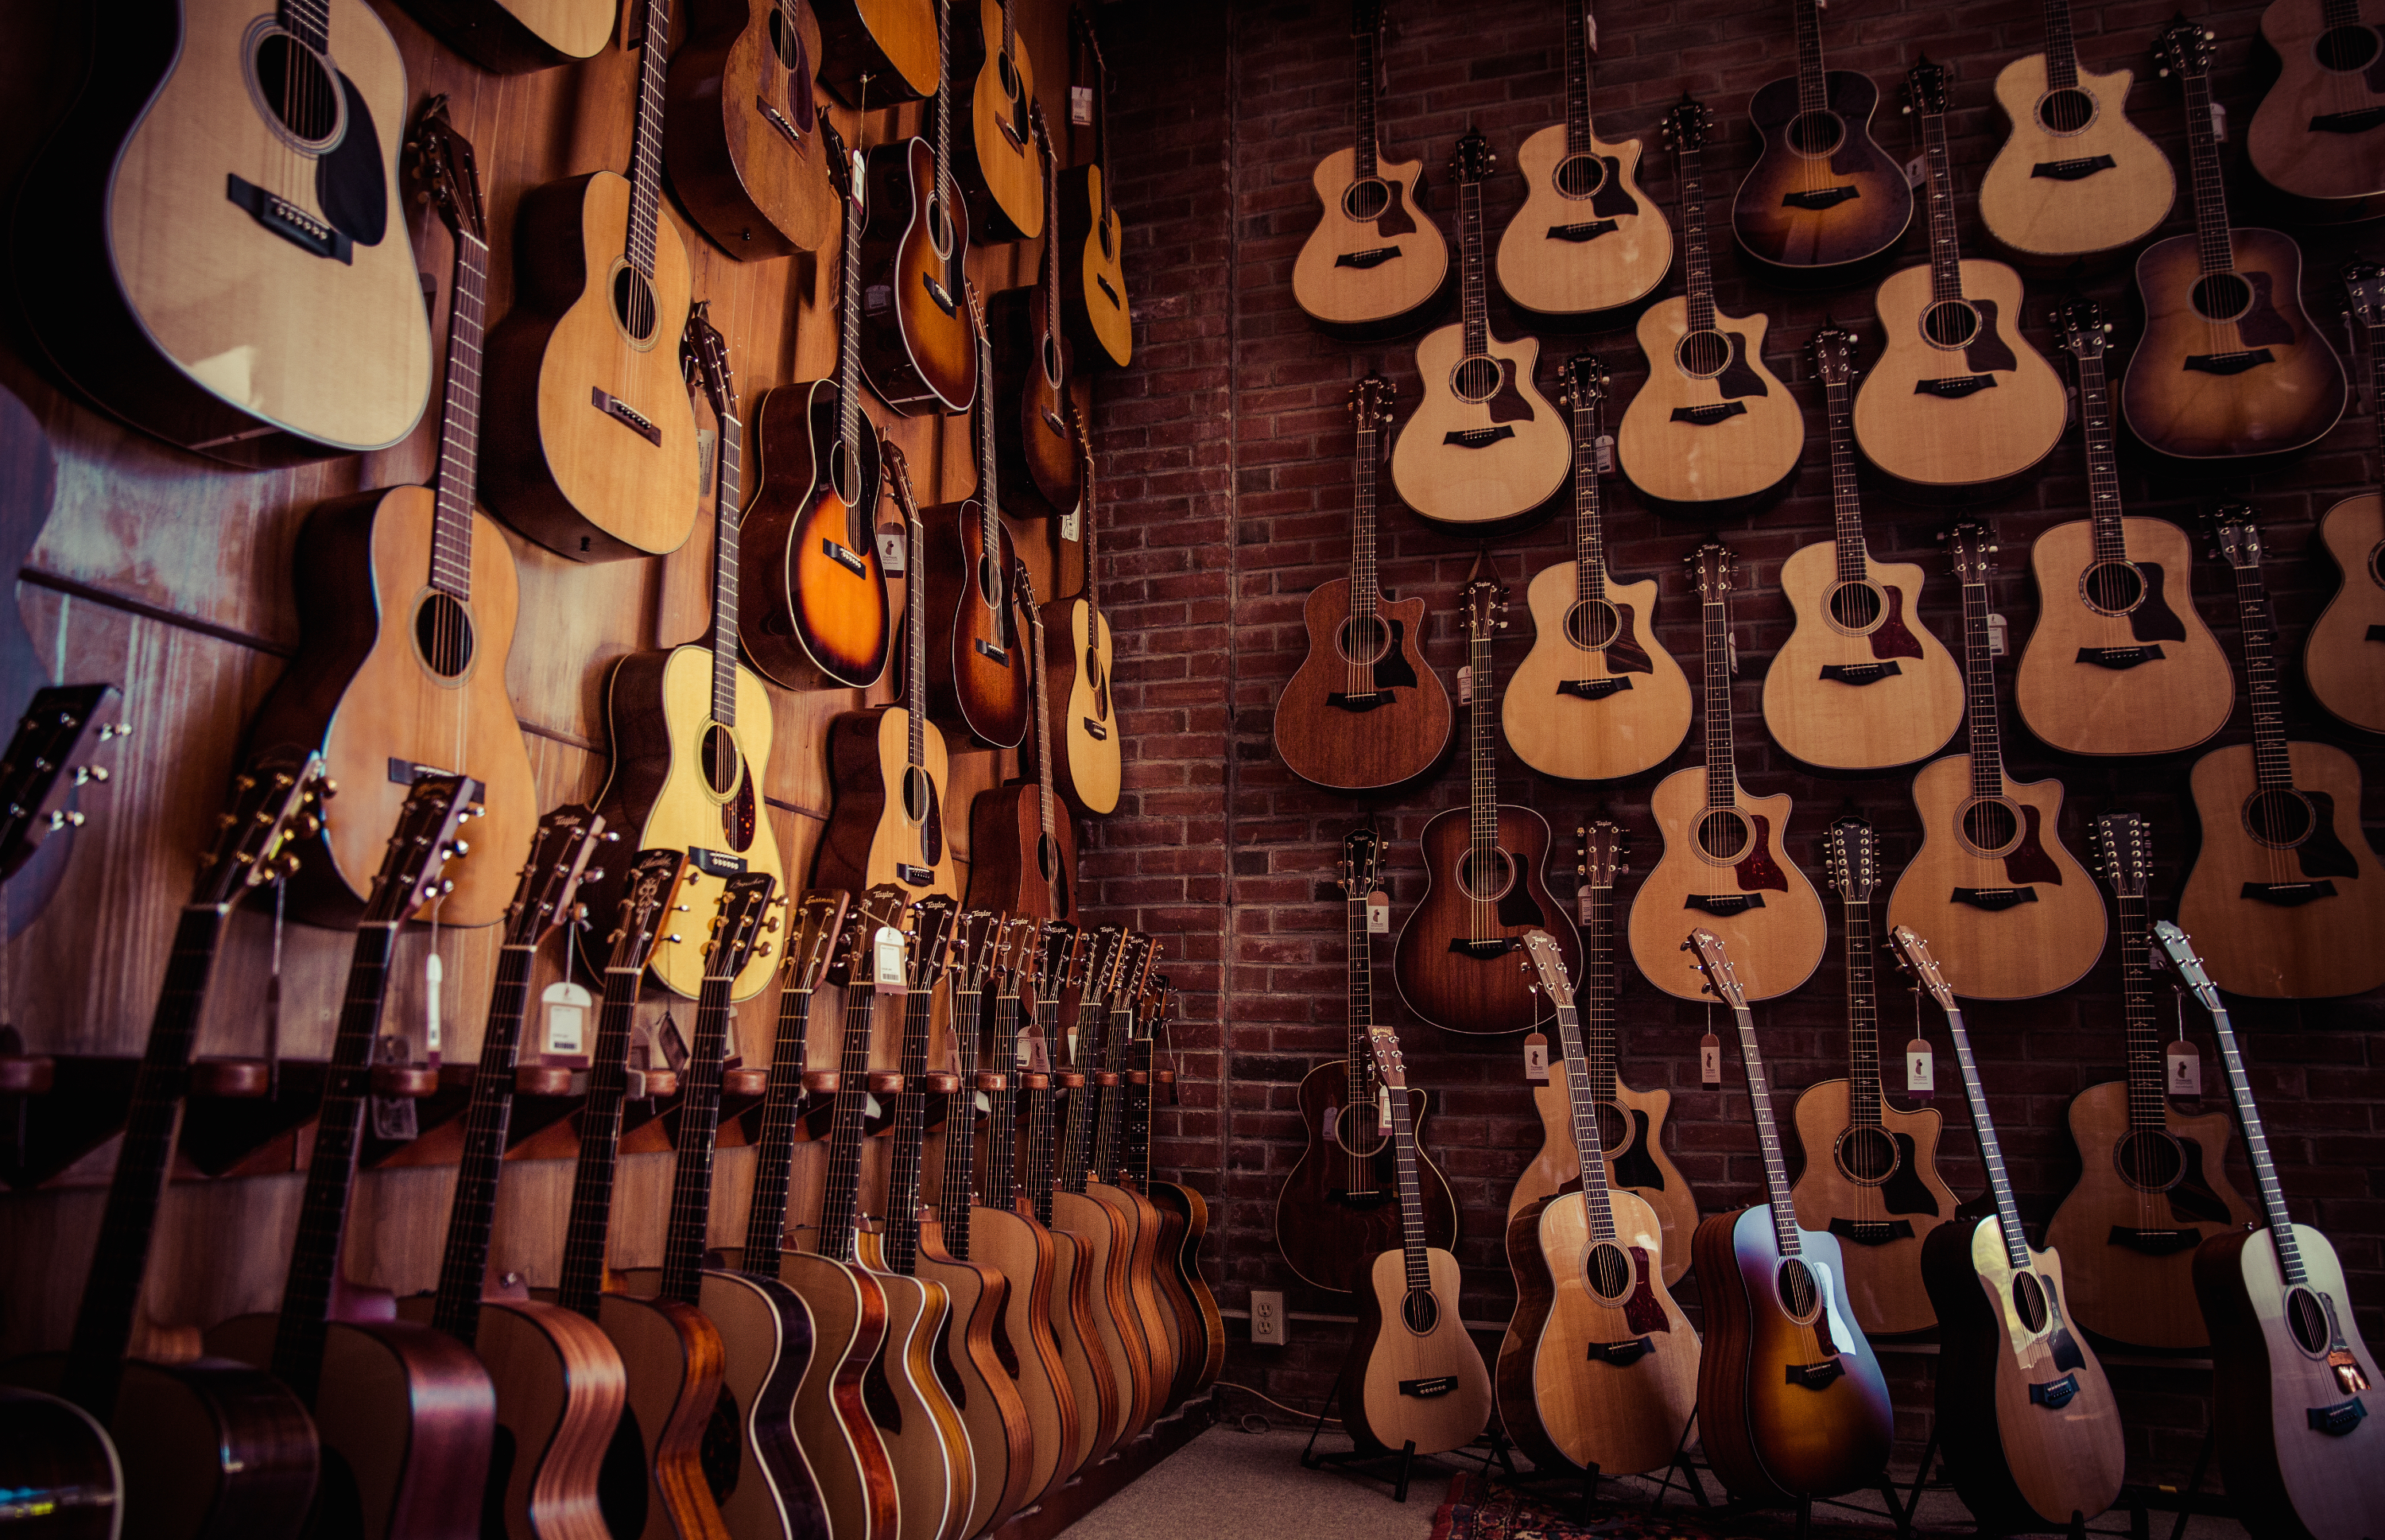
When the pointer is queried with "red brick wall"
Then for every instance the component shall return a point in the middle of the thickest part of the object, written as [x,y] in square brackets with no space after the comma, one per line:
[1226,453]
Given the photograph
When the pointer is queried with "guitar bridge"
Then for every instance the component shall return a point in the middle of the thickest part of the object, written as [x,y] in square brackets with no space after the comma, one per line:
[2154,1243]
[1425,1390]
[1819,198]
[1724,903]
[913,876]
[1872,1231]
[848,559]
[1588,230]
[1860,674]
[778,120]
[1592,689]
[1814,1376]
[2229,363]
[2054,1394]
[1495,946]
[937,292]
[288,221]
[1707,416]
[1954,387]
[1359,700]
[2122,657]
[1623,1353]
[999,655]
[1097,731]
[2287,896]
[2336,1420]
[1994,900]
[1112,293]
[2071,170]
[2359,120]
[1358,1202]
[623,413]
[405,773]
[1476,438]
[1362,260]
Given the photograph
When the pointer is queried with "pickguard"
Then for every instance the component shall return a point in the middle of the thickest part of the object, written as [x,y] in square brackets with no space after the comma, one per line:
[1833,1327]
[1392,669]
[1624,653]
[2323,855]
[1508,405]
[1395,219]
[1988,352]
[1891,638]
[1635,1166]
[348,184]
[2264,325]
[2028,862]
[1643,1312]
[1905,1191]
[1518,907]
[1739,377]
[1757,870]
[1612,200]
[2153,620]
[2192,1201]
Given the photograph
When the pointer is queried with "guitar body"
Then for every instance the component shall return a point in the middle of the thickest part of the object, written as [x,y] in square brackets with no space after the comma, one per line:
[673,1360]
[57,1455]
[367,692]
[513,37]
[2292,1481]
[1881,1224]
[1454,963]
[2169,702]
[1748,890]
[1155,1322]
[583,480]
[1328,1238]
[884,826]
[999,1434]
[1021,1252]
[1722,436]
[750,171]
[977,660]
[2178,405]
[1200,1352]
[173,304]
[1770,1433]
[1598,697]
[1376,276]
[833,1424]
[1094,1381]
[1861,684]
[2132,1243]
[1092,278]
[1014,868]
[28,480]
[1042,465]
[1590,1378]
[2343,657]
[1968,416]
[1631,1135]
[919,346]
[1387,1353]
[2032,1436]
[1958,893]
[767,1345]
[658,705]
[1453,472]
[2319,133]
[891,42]
[1088,766]
[925,1444]
[1325,739]
[1800,211]
[2055,193]
[993,150]
[1555,260]
[2310,942]
[811,601]
[1103,1259]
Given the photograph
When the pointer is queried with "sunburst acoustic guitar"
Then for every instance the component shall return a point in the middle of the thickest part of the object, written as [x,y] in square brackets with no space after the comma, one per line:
[1043,463]
[918,315]
[977,658]
[1823,196]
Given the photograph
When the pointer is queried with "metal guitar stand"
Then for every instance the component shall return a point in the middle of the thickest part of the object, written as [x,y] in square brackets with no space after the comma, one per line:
[1405,1454]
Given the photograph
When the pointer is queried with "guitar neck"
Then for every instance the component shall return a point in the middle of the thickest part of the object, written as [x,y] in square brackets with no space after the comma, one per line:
[646,144]
[1813,82]
[1597,1205]
[1134,1167]
[464,1264]
[2213,244]
[1577,67]
[1365,588]
[2257,1145]
[1589,523]
[1364,46]
[943,99]
[1601,1044]
[725,571]
[1482,762]
[459,421]
[1039,706]
[582,1285]
[2148,1096]
[848,358]
[1846,498]
[914,639]
[902,1240]
[1991,1154]
[2103,465]
[841,1194]
[1084,1102]
[1404,1154]
[1979,695]
[959,1193]
[2061,50]
[1358,1059]
[699,1132]
[1697,267]
[1722,749]
[2273,767]
[1767,1134]
[1043,1174]
[765,1218]
[1863,1089]
[1001,1186]
[1945,249]
[1108,1137]
[1474,294]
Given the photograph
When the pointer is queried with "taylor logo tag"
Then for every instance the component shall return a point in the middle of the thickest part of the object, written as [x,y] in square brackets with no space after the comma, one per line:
[1710,1060]
[1536,1058]
[2183,1069]
[1920,1078]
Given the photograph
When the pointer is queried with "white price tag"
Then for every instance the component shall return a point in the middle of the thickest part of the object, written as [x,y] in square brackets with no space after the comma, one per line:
[1602,447]
[1921,1074]
[1328,1125]
[1916,171]
[1382,1110]
[1039,1056]
[1465,683]
[1070,530]
[2218,122]
[2183,1069]
[1536,1058]
[1997,634]
[1081,106]
[434,974]
[1378,914]
[1581,903]
[1730,652]
[564,1032]
[890,550]
[1710,1060]
[886,971]
[1591,23]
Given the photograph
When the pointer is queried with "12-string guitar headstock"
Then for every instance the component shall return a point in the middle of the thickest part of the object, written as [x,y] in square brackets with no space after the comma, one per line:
[1853,850]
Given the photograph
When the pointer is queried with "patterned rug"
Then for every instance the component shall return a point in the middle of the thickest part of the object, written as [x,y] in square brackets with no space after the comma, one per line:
[1470,1512]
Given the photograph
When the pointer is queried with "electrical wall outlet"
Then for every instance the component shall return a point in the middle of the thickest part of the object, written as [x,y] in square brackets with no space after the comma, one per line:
[1266,1316]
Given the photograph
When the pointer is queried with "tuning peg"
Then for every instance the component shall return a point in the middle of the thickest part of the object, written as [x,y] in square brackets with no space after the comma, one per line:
[762,951]
[594,874]
[683,908]
[458,847]
[66,819]
[85,774]
[610,836]
[120,729]
[673,938]
[326,788]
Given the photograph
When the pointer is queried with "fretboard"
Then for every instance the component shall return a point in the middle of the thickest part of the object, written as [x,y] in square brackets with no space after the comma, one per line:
[1359,1095]
[915,641]
[646,144]
[1599,981]
[848,360]
[2061,52]
[944,104]
[699,1132]
[2212,242]
[1084,1101]
[1365,584]
[1576,67]
[2148,1096]
[2375,337]
[840,1191]
[1596,1205]
[725,572]
[1846,498]
[1589,525]
[1863,1089]
[1722,749]
[959,1193]
[1979,695]
[1473,290]
[1001,1173]
[783,1101]
[1697,267]
[2273,765]
[1364,62]
[580,1286]
[2102,468]
[1767,1134]
[459,423]
[2256,1147]
[464,1264]
[1107,1134]
[1412,1236]
[1040,707]
[1813,88]
[902,1238]
[1042,1169]
[1945,249]
[1482,759]
[1991,1154]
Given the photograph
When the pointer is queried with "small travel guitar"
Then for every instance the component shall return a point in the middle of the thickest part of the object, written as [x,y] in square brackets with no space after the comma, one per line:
[692,727]
[1726,863]
[1861,684]
[2285,890]
[1093,282]
[918,315]
[2032,1436]
[2315,133]
[1959,397]
[1042,460]
[1364,710]
[1871,1168]
[1022,843]
[205,1450]
[1823,195]
[2343,654]
[1587,240]
[1088,764]
[514,37]
[1598,697]
[1992,874]
[812,611]
[591,437]
[745,147]
[1483,453]
[1713,428]
[1414,1383]
[406,603]
[1484,884]
[1375,261]
[877,53]
[1184,1212]
[977,662]
[1341,1205]
[2119,662]
[1599,1368]
[2075,178]
[220,204]
[2230,364]
[1790,1402]
[2149,1175]
[2289,1367]
[1003,164]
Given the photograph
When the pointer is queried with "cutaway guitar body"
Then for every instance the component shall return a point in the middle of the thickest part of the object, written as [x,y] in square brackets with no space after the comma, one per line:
[1879,1192]
[988,1404]
[1376,262]
[1958,396]
[2120,663]
[2319,132]
[2343,657]
[1587,240]
[1155,1322]
[1338,1209]
[1455,963]
[1713,426]
[1729,871]
[2229,365]
[1364,710]
[1200,1331]
[1598,697]
[743,141]
[812,608]
[1861,684]
[1630,1138]
[1095,1382]
[1413,1377]
[1484,451]
[1823,195]
[765,1332]
[2074,178]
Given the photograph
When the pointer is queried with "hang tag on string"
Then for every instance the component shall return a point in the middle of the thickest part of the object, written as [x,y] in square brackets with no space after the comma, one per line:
[2182,1061]
[434,974]
[1920,1063]
[563,1024]
[1465,683]
[886,971]
[673,1046]
[1081,106]
[891,548]
[1603,449]
[393,1116]
[1378,914]
[1038,1055]
[1710,1054]
[1536,1058]
[1329,1126]
[1998,631]
[1382,1110]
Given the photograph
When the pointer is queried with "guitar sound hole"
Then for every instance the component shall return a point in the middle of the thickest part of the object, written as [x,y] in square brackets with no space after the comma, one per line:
[2113,587]
[2066,112]
[443,631]
[1703,354]
[2279,818]
[1856,606]
[1047,857]
[1476,379]
[1366,200]
[1815,133]
[297,89]
[1007,69]
[720,761]
[723,1449]
[1990,827]
[1867,1154]
[2306,1319]
[1359,1130]
[940,229]
[1592,625]
[2377,564]
[1108,250]
[2347,47]
[1051,353]
[920,811]
[2148,1159]
[1364,638]
[1614,1130]
[989,581]
[1606,1272]
[1794,1283]
[1486,875]
[2028,1300]
[633,303]
[1950,323]
[1723,835]
[1421,1311]
[783,41]
[1580,175]
[2222,296]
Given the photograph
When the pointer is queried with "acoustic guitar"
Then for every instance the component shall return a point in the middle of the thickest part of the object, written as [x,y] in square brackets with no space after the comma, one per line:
[2314,135]
[745,147]
[1341,1205]
[1364,710]
[1154,1303]
[2285,888]
[1861,684]
[1631,1123]
[1483,453]
[406,603]
[1022,843]
[1184,1212]
[918,315]
[1414,1382]
[1726,863]
[1043,459]
[2149,1175]
[1790,1402]
[977,661]
[515,37]
[1003,165]
[2343,650]
[60,1465]
[1587,239]
[1822,196]
[2032,1435]
[1484,887]
[877,53]
[218,204]
[1992,874]
[212,1449]
[2230,364]
[2289,1366]
[2119,662]
[1958,397]
[592,435]
[1598,697]
[2074,178]
[1713,428]
[1599,1368]
[1871,1168]
[1093,243]
[1088,764]
[1376,262]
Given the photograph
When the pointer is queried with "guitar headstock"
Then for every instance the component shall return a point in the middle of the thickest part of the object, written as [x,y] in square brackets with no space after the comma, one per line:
[704,355]
[1134,972]
[1016,954]
[1833,351]
[2184,49]
[896,472]
[977,934]
[814,932]
[1366,17]
[2363,286]
[1362,863]
[1384,1044]
[738,924]
[1371,402]
[1039,131]
[1486,607]
[435,807]
[1853,858]
[1926,88]
[1585,381]
[549,889]
[1107,959]
[440,162]
[2084,331]
[1716,567]
[1913,955]
[845,169]
[1542,960]
[882,908]
[647,901]
[1602,853]
[1062,953]
[932,921]
[1972,548]
[2180,948]
[1686,124]
[1472,160]
[2123,852]
[2236,537]
[277,797]
[1722,981]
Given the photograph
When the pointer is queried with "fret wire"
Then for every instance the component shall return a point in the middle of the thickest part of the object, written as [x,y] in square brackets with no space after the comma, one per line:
[2214,244]
[1945,252]
[471,1215]
[1854,554]
[1767,1136]
[1366,42]
[1577,64]
[699,1130]
[1979,690]
[842,1191]
[1813,82]
[766,1220]
[1698,267]
[1990,1152]
[1722,752]
[1598,1209]
[588,1231]
[2061,52]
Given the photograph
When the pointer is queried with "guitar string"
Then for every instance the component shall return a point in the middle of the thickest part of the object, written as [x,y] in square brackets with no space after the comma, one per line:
[1589,541]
